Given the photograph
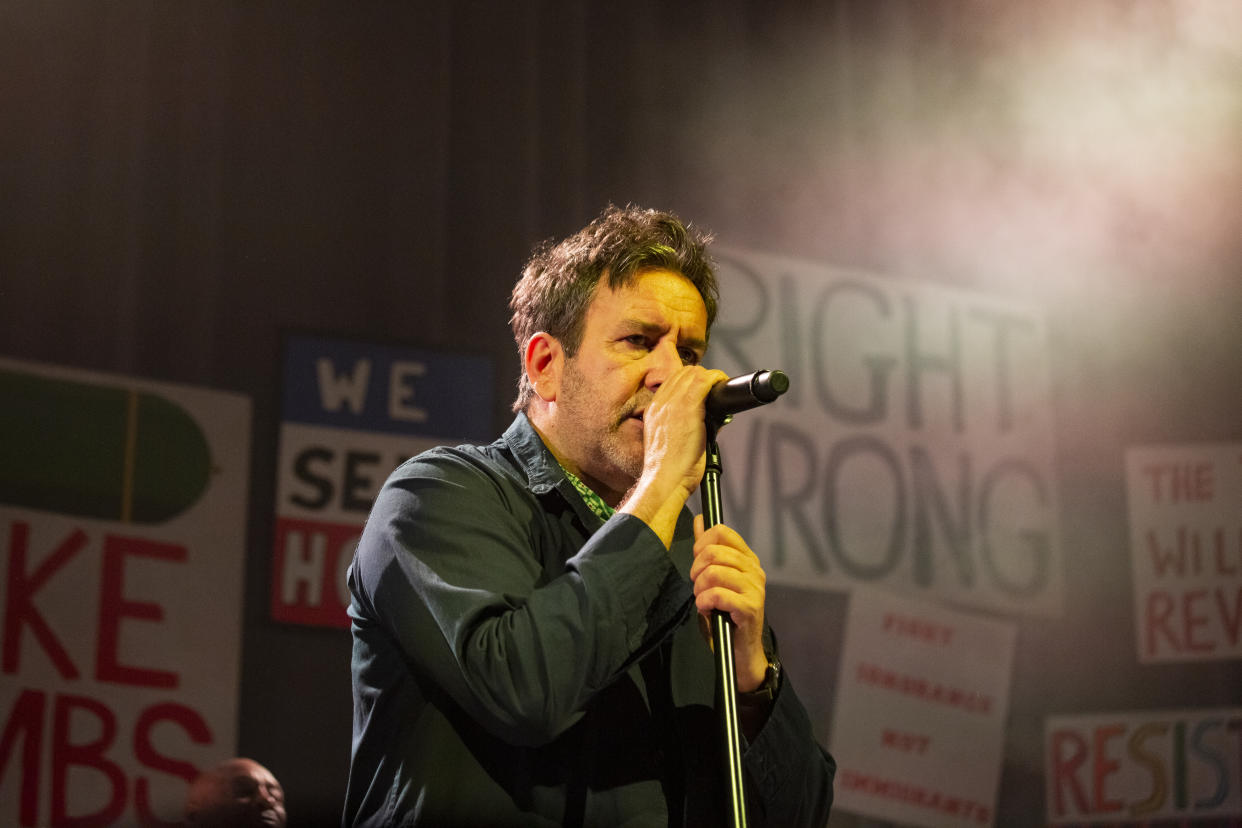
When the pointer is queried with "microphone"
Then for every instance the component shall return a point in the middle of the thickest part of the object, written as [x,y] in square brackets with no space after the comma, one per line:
[742,393]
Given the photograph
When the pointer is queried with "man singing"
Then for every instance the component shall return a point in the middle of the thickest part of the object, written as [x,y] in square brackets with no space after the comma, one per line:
[528,616]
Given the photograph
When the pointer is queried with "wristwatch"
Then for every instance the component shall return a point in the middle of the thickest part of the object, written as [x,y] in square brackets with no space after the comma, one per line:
[765,693]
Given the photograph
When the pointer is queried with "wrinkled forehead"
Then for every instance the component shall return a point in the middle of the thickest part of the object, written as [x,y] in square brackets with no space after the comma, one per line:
[653,291]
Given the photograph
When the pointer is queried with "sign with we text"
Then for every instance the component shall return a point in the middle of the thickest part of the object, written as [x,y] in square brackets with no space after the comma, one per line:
[352,413]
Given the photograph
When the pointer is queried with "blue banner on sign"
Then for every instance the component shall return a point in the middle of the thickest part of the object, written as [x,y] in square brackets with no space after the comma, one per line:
[369,387]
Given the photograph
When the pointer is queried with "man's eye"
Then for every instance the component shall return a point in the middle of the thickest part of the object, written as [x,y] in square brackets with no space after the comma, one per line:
[689,357]
[637,340]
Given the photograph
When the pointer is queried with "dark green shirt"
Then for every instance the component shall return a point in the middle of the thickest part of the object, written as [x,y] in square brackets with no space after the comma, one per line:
[517,661]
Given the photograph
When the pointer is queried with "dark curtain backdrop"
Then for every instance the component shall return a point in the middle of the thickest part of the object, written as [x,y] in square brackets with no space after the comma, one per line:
[181,182]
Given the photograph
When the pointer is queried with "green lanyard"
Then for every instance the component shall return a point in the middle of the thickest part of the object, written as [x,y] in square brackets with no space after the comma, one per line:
[593,501]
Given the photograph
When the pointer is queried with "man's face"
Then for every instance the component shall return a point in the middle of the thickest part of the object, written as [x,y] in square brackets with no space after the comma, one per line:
[633,339]
[240,793]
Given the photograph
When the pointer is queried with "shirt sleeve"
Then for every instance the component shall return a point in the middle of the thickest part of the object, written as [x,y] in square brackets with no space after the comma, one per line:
[791,774]
[481,587]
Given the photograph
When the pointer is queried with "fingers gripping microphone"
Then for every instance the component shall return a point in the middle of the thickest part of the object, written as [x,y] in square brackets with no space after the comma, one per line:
[745,392]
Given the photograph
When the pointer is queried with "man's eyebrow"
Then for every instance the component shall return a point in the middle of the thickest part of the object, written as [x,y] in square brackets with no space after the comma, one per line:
[695,343]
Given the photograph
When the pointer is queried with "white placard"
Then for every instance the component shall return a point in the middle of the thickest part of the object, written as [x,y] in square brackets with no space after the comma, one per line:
[1186,550]
[1138,767]
[352,412]
[914,449]
[123,522]
[918,727]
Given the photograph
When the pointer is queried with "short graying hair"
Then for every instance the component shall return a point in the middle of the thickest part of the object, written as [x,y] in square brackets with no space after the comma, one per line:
[560,279]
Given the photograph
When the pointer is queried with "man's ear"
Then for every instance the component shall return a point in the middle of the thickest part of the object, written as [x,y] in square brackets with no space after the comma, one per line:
[544,360]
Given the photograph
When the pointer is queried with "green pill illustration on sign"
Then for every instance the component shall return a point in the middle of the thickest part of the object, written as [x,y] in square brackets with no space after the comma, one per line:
[97,451]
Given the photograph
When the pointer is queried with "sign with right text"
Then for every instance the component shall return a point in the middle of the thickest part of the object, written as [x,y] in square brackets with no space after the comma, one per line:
[1186,550]
[914,449]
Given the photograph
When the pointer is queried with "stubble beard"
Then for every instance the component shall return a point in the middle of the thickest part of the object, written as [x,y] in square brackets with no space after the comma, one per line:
[605,452]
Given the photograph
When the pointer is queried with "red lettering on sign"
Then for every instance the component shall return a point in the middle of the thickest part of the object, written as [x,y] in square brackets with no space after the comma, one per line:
[72,714]
[146,753]
[19,608]
[1183,554]
[26,721]
[1180,482]
[921,629]
[903,741]
[1064,768]
[1105,767]
[915,794]
[308,571]
[113,606]
[20,611]
[1159,610]
[1178,622]
[91,754]
[1194,620]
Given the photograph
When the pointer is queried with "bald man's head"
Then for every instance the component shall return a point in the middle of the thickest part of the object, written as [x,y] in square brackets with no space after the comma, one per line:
[237,792]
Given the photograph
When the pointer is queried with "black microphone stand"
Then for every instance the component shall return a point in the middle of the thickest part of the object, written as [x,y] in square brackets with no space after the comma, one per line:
[722,641]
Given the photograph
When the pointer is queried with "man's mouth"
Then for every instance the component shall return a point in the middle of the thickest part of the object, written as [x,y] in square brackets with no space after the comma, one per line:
[638,412]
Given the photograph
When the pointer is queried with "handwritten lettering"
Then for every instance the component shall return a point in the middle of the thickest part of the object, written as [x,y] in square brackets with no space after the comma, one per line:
[905,742]
[921,629]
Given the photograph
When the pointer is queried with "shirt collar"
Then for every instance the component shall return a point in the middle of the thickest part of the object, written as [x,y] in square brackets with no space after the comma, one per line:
[544,472]
[541,468]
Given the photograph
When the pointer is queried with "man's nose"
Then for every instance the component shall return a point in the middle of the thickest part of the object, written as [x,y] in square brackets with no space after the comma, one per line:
[665,360]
